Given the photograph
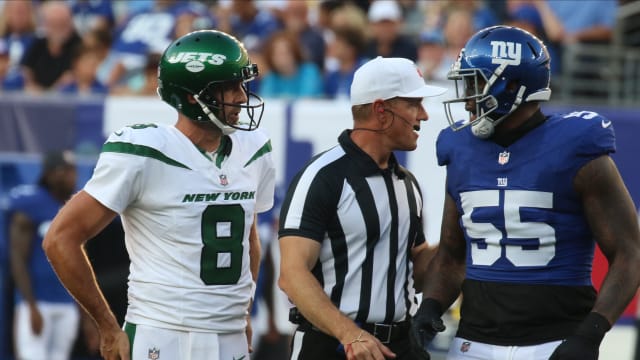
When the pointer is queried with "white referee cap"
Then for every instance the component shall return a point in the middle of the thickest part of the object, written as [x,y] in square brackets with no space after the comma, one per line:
[386,78]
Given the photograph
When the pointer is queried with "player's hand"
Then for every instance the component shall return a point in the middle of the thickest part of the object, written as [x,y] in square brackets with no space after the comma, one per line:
[114,345]
[584,344]
[426,323]
[418,350]
[35,317]
[576,348]
[364,346]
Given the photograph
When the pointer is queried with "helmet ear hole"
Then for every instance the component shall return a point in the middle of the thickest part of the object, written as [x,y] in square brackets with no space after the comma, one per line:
[513,86]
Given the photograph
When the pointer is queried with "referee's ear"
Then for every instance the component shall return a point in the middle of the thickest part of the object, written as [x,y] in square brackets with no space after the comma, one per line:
[379,111]
[378,107]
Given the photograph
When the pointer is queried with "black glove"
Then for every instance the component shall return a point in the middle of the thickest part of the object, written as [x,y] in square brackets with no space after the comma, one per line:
[426,323]
[418,351]
[584,344]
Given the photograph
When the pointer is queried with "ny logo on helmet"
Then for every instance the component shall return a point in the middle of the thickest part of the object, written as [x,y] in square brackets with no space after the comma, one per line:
[506,52]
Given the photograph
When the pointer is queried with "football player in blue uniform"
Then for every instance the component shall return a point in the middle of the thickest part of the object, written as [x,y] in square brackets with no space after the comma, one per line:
[528,196]
[46,317]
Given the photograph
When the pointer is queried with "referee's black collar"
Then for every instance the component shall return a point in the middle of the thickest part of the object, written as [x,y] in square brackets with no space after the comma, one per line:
[363,162]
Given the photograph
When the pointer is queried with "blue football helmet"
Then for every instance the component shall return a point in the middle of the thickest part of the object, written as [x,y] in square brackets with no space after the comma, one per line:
[499,68]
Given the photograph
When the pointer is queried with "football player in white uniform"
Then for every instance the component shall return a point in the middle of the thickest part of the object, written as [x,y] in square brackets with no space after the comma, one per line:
[188,195]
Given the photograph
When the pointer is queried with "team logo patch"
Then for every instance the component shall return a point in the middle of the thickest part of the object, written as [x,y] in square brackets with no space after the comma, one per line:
[503,157]
[465,346]
[194,66]
[223,180]
[154,354]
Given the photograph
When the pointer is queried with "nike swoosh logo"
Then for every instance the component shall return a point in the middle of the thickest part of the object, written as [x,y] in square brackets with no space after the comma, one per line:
[606,124]
[118,133]
[240,358]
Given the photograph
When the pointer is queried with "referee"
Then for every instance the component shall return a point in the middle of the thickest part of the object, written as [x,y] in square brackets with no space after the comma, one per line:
[351,226]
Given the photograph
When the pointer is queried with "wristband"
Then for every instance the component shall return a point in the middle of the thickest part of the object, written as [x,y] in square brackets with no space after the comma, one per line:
[432,306]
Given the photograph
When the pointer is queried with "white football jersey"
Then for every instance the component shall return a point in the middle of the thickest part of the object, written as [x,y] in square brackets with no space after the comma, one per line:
[187,217]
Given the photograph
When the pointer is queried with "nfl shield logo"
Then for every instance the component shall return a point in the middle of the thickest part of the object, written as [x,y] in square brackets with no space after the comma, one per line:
[223,180]
[465,346]
[154,354]
[503,158]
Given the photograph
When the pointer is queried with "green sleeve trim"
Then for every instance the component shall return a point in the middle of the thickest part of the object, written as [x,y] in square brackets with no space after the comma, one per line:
[140,150]
[265,149]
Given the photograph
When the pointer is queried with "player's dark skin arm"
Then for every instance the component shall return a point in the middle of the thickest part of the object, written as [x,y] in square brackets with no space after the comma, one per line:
[612,218]
[446,269]
[21,232]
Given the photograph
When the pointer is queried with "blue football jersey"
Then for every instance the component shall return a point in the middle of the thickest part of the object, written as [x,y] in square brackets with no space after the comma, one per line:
[36,203]
[522,219]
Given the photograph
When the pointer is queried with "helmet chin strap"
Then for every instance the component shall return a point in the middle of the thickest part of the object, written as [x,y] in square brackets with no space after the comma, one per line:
[226,129]
[485,126]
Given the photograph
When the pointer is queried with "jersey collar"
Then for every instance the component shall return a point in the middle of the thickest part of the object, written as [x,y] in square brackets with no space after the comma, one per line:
[364,163]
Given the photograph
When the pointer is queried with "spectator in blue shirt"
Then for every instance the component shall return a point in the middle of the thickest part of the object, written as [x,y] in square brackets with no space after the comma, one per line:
[17,32]
[84,64]
[290,75]
[249,23]
[585,21]
[149,31]
[92,14]
[347,49]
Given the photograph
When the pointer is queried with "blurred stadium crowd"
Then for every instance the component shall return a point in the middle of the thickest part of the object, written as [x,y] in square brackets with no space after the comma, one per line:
[304,48]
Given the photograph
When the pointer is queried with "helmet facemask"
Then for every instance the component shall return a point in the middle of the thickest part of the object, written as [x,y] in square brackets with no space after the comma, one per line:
[472,85]
[208,97]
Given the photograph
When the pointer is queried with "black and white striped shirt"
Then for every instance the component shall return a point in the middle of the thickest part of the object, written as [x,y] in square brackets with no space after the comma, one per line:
[367,220]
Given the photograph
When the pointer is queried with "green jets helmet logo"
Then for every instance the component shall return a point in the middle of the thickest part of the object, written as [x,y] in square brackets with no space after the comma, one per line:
[201,57]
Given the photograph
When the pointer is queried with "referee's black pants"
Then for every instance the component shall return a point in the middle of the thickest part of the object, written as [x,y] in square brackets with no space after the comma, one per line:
[317,345]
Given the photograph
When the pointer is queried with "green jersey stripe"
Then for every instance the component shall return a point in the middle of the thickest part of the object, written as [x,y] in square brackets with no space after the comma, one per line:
[140,150]
[265,149]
